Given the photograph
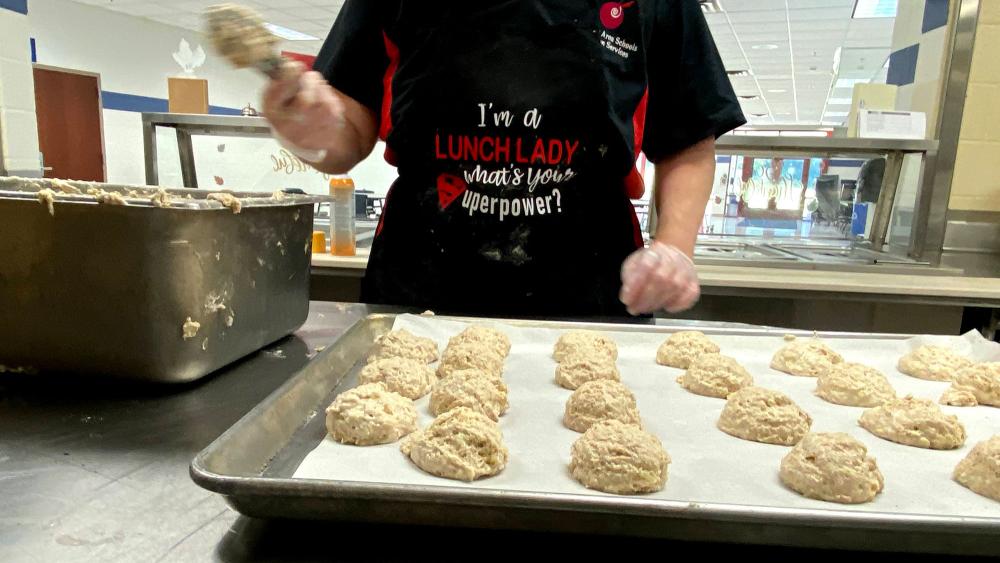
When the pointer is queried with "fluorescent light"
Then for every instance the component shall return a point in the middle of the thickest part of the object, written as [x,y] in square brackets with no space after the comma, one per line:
[836,114]
[289,34]
[875,8]
[850,82]
[777,91]
[840,101]
[764,47]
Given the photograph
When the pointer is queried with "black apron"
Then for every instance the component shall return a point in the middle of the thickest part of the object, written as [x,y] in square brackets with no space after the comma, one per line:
[512,159]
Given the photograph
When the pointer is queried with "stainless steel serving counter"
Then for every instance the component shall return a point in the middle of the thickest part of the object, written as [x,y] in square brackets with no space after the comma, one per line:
[93,471]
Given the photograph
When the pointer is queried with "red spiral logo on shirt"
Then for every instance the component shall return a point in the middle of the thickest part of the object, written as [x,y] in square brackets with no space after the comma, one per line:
[613,13]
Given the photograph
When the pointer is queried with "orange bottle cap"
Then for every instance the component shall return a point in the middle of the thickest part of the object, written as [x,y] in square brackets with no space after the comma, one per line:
[319,242]
[341,183]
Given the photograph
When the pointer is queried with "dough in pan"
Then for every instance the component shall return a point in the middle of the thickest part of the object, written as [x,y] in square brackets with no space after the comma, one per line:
[619,458]
[983,381]
[483,336]
[715,375]
[584,366]
[461,444]
[854,385]
[808,357]
[404,344]
[833,467]
[480,391]
[406,376]
[591,342]
[600,400]
[958,397]
[980,470]
[914,422]
[682,348]
[935,363]
[370,414]
[763,415]
[470,355]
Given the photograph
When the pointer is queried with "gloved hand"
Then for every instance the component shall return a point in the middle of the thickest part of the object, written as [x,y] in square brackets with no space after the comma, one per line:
[659,277]
[304,112]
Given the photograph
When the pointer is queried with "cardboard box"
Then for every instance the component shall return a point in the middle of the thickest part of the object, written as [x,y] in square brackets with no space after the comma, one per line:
[187,95]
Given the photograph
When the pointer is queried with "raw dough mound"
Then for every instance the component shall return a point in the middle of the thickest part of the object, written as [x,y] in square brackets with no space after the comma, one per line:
[404,344]
[480,391]
[807,358]
[936,363]
[684,347]
[470,355]
[854,385]
[715,375]
[833,467]
[370,414]
[460,444]
[983,381]
[763,415]
[600,400]
[914,422]
[958,397]
[406,376]
[585,366]
[484,336]
[575,342]
[980,470]
[619,458]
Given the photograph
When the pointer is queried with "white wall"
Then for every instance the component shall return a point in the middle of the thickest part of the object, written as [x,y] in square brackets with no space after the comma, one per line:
[18,125]
[845,172]
[133,56]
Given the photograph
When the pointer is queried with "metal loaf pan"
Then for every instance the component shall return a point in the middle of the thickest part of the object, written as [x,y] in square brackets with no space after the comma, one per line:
[106,289]
[252,465]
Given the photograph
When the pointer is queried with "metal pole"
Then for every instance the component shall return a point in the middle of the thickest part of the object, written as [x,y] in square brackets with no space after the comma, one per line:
[931,219]
[188,173]
[149,152]
[886,198]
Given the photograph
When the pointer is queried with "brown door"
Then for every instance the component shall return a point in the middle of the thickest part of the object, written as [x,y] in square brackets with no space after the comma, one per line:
[69,125]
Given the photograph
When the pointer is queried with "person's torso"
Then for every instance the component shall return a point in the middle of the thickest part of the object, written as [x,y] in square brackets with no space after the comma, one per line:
[515,127]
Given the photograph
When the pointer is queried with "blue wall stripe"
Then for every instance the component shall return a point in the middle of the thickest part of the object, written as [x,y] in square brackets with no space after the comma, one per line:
[220,110]
[34,50]
[903,66]
[19,6]
[131,102]
[935,15]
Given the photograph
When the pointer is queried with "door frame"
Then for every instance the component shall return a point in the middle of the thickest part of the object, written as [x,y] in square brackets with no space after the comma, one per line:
[100,105]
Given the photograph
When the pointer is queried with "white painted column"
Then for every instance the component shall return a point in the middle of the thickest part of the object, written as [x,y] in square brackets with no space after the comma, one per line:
[18,124]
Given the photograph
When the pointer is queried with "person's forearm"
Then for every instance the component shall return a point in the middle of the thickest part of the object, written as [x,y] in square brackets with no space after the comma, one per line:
[683,184]
[353,142]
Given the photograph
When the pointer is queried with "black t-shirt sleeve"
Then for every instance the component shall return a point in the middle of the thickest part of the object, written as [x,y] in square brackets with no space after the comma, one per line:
[353,58]
[690,96]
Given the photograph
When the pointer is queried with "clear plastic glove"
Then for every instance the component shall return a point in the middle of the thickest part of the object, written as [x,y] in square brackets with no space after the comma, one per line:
[304,112]
[659,277]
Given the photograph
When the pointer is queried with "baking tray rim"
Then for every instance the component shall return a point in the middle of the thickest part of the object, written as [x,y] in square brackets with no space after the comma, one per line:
[594,503]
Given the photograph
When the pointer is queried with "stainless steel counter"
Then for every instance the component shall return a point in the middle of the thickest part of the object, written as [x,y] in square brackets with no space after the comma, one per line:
[98,471]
